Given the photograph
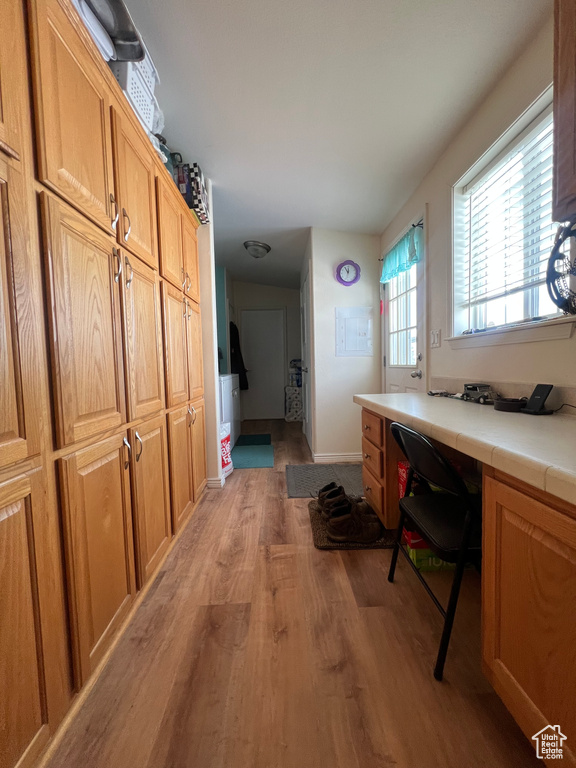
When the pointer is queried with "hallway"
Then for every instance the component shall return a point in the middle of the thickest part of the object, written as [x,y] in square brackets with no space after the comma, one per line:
[252,649]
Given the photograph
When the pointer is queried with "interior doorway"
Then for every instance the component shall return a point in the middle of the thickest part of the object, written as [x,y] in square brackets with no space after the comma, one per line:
[306,365]
[263,340]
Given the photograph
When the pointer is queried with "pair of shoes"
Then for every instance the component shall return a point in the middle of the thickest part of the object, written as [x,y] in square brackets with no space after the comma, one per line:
[353,521]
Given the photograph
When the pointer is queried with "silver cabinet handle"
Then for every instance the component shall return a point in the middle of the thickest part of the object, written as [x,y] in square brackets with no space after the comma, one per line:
[185,310]
[194,412]
[117,216]
[141,446]
[127,444]
[189,282]
[184,280]
[127,260]
[117,256]
[191,418]
[127,233]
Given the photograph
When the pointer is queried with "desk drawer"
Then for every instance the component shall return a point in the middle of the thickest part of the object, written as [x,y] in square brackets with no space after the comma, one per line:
[372,457]
[372,490]
[372,427]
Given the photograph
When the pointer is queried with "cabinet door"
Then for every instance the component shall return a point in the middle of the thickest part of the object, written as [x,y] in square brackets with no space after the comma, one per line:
[529,593]
[564,189]
[22,703]
[135,173]
[19,359]
[72,114]
[13,78]
[170,232]
[190,250]
[84,272]
[175,311]
[151,496]
[194,343]
[180,454]
[142,339]
[198,436]
[95,490]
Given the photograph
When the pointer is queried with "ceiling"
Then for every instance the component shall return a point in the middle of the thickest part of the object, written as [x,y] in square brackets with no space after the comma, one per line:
[323,113]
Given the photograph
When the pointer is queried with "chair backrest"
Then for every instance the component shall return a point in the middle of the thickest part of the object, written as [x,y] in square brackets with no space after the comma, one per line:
[427,461]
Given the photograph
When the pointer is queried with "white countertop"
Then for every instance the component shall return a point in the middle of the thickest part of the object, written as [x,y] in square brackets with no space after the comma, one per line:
[540,450]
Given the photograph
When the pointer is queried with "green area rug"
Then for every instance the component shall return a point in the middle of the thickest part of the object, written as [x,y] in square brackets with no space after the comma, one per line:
[253,440]
[252,456]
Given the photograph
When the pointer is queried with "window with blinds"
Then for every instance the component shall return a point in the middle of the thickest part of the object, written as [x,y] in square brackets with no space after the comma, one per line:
[504,234]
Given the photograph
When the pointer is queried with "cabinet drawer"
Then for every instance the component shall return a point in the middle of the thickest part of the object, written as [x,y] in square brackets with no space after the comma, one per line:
[372,457]
[372,490]
[372,427]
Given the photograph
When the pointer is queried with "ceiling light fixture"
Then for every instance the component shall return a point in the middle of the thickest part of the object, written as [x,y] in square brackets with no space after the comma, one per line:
[257,249]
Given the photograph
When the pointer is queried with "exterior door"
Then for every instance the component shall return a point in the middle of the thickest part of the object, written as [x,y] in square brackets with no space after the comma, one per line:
[263,343]
[84,271]
[180,455]
[95,489]
[175,344]
[73,116]
[150,495]
[142,339]
[404,331]
[136,196]
[194,341]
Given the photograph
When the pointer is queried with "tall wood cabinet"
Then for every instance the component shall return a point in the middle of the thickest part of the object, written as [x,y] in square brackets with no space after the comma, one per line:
[98,278]
[528,598]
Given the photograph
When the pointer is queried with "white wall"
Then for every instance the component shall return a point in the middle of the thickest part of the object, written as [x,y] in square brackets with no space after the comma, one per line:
[336,432]
[210,349]
[254,296]
[549,361]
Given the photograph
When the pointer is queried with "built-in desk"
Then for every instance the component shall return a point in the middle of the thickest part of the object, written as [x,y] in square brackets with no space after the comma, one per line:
[529,542]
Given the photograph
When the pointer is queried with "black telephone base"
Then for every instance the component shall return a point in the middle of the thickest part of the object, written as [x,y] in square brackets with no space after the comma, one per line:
[536,413]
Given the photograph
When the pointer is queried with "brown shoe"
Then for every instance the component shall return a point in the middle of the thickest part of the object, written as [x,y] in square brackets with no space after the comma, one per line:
[349,523]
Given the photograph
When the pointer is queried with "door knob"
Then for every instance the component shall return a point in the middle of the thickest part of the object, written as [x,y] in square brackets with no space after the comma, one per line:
[416,374]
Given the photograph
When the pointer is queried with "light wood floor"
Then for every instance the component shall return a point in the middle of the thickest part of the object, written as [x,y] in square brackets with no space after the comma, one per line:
[255,650]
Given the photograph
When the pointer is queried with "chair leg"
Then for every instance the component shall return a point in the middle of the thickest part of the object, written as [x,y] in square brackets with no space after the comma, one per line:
[397,544]
[450,613]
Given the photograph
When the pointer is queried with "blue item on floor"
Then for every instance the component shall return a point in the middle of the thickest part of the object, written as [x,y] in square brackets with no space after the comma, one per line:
[254,440]
[252,456]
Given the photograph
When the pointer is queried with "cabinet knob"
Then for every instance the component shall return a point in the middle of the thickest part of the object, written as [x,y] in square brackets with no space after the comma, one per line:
[366,426]
[366,455]
[367,488]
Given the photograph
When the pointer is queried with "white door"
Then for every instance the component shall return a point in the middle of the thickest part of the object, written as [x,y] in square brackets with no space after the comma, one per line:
[263,334]
[305,331]
[404,331]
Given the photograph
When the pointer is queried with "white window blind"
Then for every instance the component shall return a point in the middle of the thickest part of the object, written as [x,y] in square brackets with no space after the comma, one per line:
[506,233]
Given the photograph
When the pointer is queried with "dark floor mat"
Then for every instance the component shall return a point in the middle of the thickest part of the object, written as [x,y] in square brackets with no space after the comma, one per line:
[254,440]
[321,540]
[303,481]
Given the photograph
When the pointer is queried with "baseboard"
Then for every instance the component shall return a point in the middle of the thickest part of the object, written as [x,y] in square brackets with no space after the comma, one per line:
[215,482]
[335,458]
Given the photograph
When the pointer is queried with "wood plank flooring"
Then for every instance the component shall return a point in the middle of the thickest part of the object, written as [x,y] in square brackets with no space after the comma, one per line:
[255,650]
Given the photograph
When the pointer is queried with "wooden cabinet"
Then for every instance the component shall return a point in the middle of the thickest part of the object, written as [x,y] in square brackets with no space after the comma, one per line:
[19,329]
[13,78]
[175,313]
[194,346]
[170,204]
[84,293]
[380,455]
[180,454]
[72,114]
[150,495]
[190,255]
[135,190]
[95,491]
[528,598]
[22,703]
[143,358]
[564,189]
[198,436]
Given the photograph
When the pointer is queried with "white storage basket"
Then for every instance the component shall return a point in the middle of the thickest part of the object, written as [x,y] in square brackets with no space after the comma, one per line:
[123,70]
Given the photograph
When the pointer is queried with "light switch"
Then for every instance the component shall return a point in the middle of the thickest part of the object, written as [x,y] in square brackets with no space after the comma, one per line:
[435,339]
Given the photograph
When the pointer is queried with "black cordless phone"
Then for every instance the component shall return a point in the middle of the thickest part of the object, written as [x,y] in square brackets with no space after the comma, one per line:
[535,404]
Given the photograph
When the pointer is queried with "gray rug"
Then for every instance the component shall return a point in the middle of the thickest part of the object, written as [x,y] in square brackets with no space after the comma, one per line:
[321,540]
[303,481]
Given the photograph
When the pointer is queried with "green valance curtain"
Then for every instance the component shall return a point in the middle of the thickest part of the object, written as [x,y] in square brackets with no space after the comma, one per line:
[407,251]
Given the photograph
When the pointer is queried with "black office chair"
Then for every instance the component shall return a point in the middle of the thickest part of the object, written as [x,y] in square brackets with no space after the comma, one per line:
[450,522]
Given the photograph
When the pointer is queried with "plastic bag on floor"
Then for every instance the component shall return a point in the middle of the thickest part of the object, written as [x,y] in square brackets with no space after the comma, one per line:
[225,449]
